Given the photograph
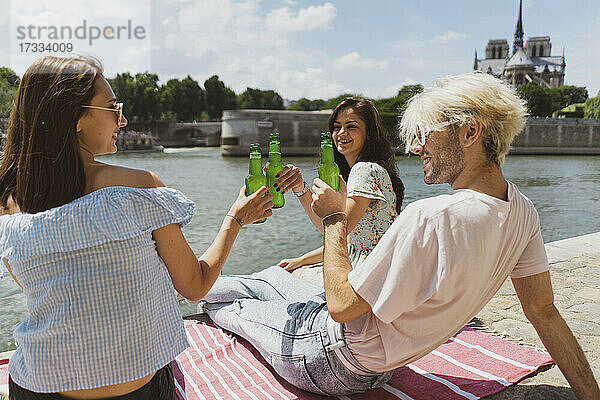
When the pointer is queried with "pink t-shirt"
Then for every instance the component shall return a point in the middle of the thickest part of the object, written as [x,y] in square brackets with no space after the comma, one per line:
[436,267]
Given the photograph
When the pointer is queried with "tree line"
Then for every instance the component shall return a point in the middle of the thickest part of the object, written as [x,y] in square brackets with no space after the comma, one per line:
[176,100]
[146,99]
[543,102]
[185,99]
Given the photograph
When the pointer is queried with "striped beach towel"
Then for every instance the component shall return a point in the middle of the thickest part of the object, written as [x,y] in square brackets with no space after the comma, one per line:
[470,365]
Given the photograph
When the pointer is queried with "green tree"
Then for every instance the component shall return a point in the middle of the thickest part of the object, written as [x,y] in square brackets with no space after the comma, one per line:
[592,107]
[392,104]
[389,123]
[571,95]
[261,99]
[124,87]
[564,96]
[304,104]
[146,105]
[539,102]
[139,94]
[333,102]
[7,96]
[9,82]
[412,89]
[182,100]
[9,77]
[218,97]
[397,104]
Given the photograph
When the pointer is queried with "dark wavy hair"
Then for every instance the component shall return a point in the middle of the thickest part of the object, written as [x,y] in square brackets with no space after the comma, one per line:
[42,167]
[377,147]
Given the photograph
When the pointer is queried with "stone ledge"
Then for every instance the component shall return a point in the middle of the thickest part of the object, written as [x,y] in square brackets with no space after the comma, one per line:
[575,271]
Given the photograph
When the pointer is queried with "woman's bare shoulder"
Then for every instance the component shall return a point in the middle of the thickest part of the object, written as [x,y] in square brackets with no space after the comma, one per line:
[11,207]
[101,176]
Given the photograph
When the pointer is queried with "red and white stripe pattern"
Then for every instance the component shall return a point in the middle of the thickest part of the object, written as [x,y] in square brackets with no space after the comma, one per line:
[471,365]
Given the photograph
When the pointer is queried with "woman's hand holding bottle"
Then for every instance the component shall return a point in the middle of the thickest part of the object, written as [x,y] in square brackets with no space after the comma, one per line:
[248,209]
[288,178]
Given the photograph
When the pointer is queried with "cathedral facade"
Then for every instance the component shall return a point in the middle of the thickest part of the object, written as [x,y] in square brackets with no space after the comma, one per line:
[530,62]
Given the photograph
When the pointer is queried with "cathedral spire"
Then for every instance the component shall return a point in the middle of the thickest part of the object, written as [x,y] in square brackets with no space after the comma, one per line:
[518,43]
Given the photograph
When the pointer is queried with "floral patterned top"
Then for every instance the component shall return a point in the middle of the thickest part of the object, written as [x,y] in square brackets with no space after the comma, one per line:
[370,180]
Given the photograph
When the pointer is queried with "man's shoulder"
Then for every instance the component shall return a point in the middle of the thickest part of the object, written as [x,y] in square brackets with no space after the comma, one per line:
[432,206]
[516,196]
[522,209]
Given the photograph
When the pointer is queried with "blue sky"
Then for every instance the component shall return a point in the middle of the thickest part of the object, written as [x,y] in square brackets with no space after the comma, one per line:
[315,49]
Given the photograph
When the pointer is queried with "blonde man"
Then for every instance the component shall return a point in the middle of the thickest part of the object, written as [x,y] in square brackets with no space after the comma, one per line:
[435,268]
[445,257]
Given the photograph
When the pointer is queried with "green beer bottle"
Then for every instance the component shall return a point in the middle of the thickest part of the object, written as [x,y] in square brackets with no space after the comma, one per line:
[273,167]
[255,179]
[329,172]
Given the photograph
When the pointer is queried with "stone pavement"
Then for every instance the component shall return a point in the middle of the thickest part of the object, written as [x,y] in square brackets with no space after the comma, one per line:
[575,272]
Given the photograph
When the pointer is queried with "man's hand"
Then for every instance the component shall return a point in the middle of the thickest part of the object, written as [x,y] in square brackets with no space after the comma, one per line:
[325,200]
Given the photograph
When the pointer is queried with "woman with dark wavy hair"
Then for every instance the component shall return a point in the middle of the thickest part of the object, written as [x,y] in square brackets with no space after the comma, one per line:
[366,160]
[97,249]
[287,318]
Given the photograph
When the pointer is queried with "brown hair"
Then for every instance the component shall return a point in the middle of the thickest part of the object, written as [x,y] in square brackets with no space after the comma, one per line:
[377,147]
[42,166]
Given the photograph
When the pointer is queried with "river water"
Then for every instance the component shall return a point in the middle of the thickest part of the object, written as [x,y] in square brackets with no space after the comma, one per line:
[564,189]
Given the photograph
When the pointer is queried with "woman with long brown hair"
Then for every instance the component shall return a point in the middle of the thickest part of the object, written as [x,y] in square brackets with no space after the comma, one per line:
[366,160]
[96,248]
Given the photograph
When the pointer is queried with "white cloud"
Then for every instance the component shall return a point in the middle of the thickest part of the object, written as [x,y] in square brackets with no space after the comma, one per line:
[307,19]
[312,83]
[204,26]
[235,40]
[449,36]
[353,62]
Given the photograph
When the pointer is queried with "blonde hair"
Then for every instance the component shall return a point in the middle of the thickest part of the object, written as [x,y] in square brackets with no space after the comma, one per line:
[461,99]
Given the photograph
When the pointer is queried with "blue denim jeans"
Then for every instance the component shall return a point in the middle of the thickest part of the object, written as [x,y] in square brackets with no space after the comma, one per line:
[285,319]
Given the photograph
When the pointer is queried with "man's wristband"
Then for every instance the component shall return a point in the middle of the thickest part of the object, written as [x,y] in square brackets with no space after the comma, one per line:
[332,214]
